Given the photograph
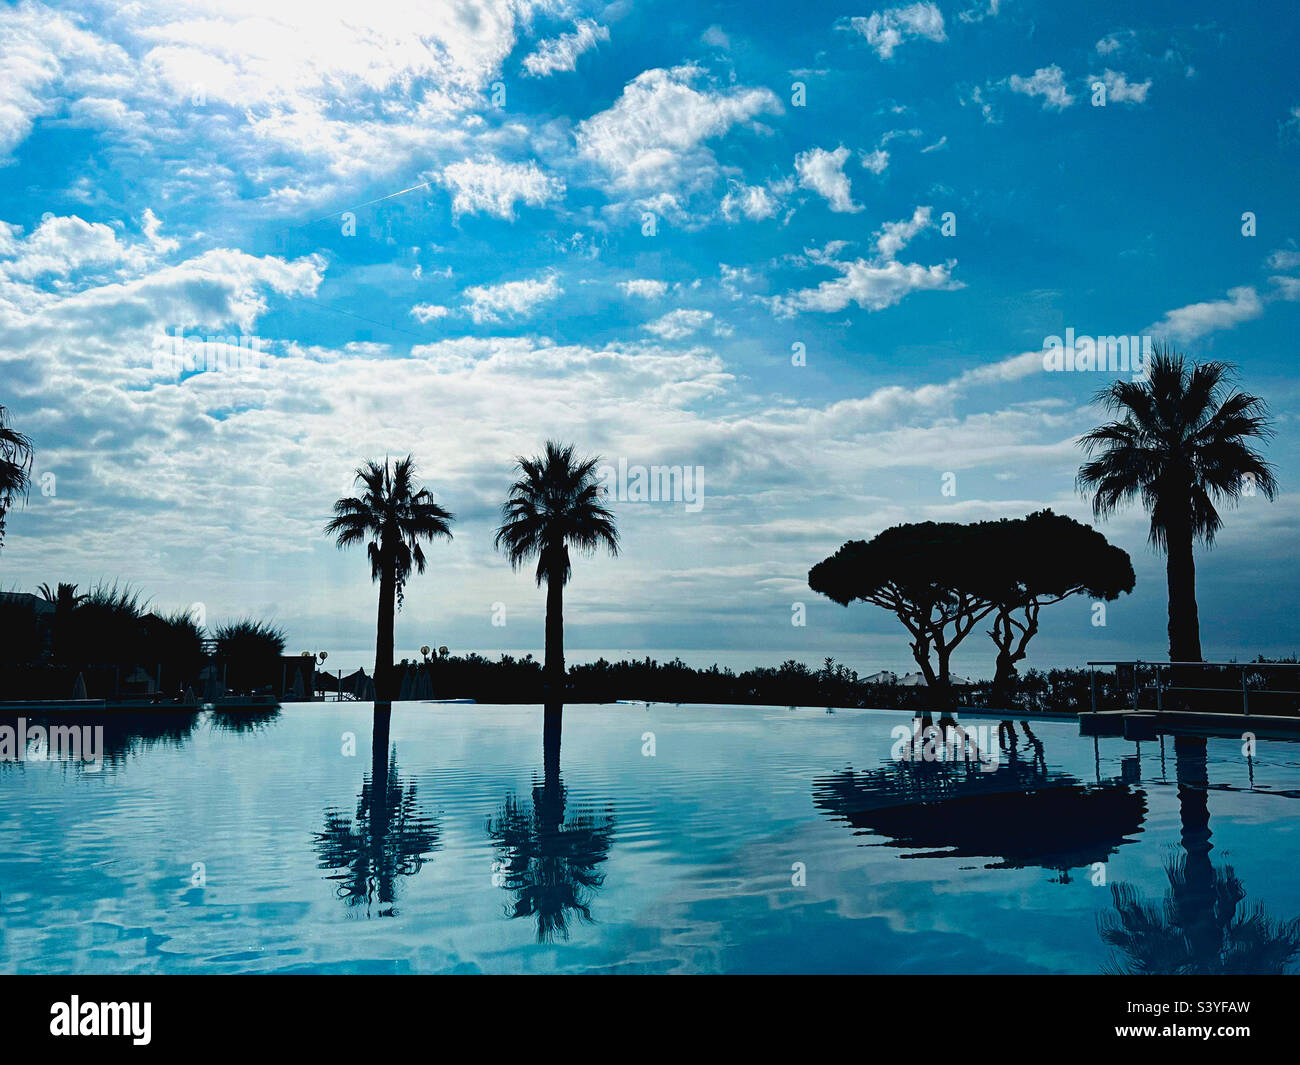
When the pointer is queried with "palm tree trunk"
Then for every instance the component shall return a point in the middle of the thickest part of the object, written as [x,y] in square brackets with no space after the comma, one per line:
[1180,570]
[380,815]
[552,722]
[553,683]
[1197,889]
[380,731]
[384,629]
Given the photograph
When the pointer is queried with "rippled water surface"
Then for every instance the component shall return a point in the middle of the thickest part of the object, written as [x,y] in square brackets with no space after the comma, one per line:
[660,839]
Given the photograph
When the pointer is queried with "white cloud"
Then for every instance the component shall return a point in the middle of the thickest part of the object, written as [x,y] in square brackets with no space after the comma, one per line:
[734,277]
[823,173]
[979,14]
[976,98]
[1113,42]
[678,324]
[151,225]
[872,284]
[46,62]
[1014,368]
[753,201]
[1284,259]
[511,299]
[84,307]
[429,312]
[886,30]
[644,288]
[297,55]
[1197,319]
[1047,82]
[1288,288]
[562,52]
[895,236]
[302,99]
[714,37]
[652,138]
[62,245]
[876,161]
[493,187]
[1119,90]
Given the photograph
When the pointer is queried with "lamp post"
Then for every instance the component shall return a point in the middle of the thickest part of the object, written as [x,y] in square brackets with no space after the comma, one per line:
[318,657]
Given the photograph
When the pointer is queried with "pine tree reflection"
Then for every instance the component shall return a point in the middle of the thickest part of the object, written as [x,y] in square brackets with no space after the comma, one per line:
[1019,814]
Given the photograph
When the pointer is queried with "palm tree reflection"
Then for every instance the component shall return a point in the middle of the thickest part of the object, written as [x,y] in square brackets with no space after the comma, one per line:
[1202,925]
[389,836]
[549,858]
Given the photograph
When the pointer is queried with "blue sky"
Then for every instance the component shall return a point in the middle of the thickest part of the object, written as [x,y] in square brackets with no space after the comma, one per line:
[456,229]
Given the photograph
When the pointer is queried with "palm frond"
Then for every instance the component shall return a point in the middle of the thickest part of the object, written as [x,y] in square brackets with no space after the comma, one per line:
[390,516]
[1177,443]
[556,503]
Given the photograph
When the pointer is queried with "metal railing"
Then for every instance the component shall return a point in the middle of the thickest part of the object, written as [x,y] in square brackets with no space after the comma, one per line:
[1163,685]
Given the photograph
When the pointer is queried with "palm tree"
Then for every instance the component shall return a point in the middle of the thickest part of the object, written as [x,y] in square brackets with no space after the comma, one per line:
[554,505]
[15,466]
[1182,444]
[394,514]
[66,599]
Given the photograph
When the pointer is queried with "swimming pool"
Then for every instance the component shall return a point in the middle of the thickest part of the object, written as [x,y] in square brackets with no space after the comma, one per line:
[649,839]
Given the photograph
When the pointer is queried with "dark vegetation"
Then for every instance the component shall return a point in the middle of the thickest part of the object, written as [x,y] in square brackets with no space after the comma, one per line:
[942,579]
[1068,691]
[111,638]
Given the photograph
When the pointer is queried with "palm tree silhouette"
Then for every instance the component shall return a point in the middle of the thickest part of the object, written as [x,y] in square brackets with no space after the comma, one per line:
[395,514]
[15,466]
[1182,445]
[1201,926]
[554,505]
[66,599]
[547,858]
[389,837]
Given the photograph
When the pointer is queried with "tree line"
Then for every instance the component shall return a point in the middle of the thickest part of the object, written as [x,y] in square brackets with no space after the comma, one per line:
[111,628]
[1180,441]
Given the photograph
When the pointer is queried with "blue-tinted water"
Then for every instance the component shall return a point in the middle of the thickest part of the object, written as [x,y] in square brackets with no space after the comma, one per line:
[749,840]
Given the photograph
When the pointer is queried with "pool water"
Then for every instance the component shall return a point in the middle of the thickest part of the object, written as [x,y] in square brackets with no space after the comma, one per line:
[643,840]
